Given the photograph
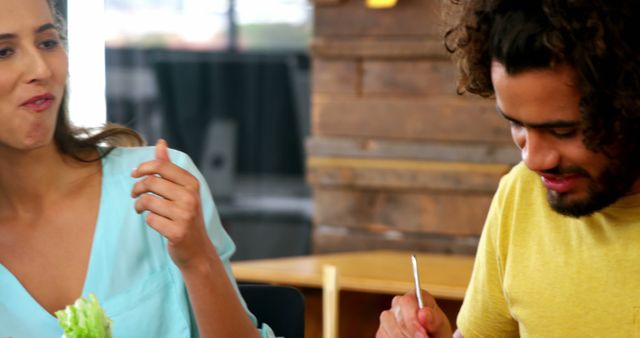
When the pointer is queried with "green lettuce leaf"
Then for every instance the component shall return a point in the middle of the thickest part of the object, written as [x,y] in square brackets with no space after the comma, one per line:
[84,319]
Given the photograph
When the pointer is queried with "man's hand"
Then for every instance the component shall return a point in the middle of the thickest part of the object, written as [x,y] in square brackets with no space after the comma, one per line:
[405,319]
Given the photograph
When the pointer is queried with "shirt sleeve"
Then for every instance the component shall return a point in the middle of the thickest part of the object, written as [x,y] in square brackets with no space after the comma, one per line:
[218,236]
[485,309]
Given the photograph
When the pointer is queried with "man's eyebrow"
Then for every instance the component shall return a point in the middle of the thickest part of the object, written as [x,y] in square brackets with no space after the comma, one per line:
[45,27]
[545,125]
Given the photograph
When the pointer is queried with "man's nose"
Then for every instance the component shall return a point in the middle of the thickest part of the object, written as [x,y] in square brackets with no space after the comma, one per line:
[538,153]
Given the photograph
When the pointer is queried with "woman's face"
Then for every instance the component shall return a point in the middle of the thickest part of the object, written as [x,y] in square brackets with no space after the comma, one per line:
[33,73]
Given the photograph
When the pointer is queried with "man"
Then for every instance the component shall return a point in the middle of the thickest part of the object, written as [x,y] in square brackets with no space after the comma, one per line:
[559,255]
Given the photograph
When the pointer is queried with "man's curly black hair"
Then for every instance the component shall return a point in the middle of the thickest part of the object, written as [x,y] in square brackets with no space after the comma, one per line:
[596,37]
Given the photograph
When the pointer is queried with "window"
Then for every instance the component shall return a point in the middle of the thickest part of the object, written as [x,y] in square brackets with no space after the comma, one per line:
[183,24]
[87,107]
[274,24]
[208,24]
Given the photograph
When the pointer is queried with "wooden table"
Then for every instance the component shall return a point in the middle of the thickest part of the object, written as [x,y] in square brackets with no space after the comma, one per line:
[367,281]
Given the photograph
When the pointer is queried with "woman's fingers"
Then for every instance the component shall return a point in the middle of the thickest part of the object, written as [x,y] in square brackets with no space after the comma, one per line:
[165,227]
[171,196]
[163,167]
[183,210]
[156,185]
[162,150]
[168,171]
[156,205]
[166,189]
[165,218]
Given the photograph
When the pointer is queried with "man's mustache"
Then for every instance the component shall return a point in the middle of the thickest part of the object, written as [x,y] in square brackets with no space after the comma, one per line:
[571,170]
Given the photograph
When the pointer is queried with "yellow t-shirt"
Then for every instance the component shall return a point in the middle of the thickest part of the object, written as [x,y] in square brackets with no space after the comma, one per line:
[540,274]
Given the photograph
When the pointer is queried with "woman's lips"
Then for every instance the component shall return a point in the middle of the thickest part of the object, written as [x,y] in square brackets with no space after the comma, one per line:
[39,103]
[560,183]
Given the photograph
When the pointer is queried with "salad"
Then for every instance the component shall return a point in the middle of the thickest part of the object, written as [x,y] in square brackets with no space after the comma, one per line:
[84,319]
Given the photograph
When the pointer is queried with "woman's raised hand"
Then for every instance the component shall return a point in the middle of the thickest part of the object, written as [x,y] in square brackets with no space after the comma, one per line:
[171,196]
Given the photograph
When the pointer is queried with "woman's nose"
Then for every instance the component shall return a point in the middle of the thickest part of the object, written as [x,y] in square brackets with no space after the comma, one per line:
[36,67]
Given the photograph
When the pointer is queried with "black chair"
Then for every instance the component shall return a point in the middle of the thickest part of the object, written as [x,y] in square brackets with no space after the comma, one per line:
[280,307]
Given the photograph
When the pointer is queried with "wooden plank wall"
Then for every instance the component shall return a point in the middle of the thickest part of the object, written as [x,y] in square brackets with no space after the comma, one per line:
[396,158]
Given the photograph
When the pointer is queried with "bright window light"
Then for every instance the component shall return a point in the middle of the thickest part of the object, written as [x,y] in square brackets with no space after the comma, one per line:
[87,103]
[273,11]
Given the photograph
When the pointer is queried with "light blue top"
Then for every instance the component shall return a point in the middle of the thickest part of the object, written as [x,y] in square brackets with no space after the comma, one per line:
[130,270]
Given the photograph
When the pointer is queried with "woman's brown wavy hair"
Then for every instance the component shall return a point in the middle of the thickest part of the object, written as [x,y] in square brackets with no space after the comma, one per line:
[78,142]
[596,37]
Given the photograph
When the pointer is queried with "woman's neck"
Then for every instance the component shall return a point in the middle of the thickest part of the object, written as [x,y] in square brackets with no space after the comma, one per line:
[29,181]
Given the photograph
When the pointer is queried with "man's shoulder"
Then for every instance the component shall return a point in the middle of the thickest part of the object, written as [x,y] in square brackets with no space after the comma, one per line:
[519,177]
[520,185]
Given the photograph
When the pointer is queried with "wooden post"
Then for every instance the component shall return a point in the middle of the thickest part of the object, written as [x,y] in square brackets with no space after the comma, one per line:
[330,301]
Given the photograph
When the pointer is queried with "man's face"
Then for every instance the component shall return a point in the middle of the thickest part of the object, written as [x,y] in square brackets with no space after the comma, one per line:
[542,107]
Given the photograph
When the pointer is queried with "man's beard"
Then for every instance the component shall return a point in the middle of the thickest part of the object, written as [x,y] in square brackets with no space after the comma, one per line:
[614,182]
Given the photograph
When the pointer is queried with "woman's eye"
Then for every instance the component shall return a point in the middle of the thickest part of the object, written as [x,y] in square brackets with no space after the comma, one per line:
[50,44]
[5,52]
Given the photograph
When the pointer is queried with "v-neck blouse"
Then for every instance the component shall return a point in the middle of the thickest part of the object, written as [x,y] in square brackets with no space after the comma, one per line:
[130,270]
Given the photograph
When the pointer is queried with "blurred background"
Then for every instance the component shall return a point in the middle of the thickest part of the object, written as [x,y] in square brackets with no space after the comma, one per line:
[320,126]
[226,81]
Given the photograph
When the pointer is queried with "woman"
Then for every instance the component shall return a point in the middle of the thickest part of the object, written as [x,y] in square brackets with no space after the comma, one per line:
[75,220]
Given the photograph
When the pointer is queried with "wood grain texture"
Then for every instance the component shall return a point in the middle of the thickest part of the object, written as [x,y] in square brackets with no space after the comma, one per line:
[331,239]
[435,119]
[381,272]
[336,77]
[354,18]
[372,148]
[380,48]
[386,211]
[396,159]
[404,174]
[327,2]
[422,78]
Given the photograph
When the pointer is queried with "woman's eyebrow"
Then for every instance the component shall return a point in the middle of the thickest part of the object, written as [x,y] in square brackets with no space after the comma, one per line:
[45,27]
